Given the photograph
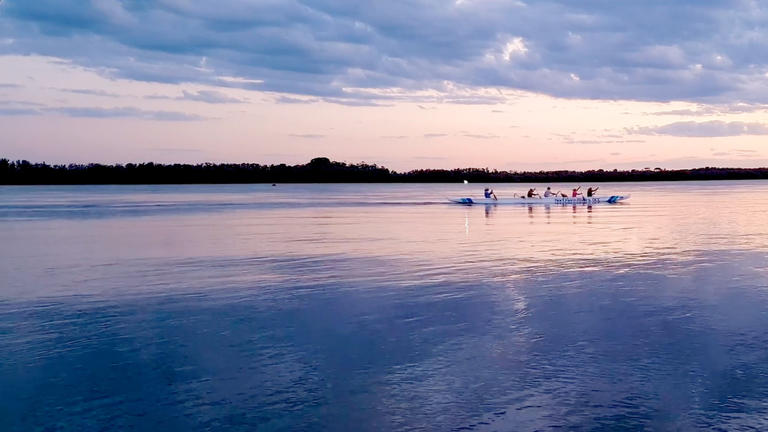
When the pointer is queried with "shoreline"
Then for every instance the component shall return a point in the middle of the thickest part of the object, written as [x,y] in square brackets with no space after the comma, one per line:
[323,170]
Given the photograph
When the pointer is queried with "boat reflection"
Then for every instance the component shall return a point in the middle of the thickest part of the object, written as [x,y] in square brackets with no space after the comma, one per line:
[490,209]
[532,209]
[548,211]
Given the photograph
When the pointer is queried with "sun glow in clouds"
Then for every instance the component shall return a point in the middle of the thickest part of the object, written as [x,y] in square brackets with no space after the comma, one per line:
[514,48]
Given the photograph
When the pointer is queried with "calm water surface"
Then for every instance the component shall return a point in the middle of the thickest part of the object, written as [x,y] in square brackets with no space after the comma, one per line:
[380,307]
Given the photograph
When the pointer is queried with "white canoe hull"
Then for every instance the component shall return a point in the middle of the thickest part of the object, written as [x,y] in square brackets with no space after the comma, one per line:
[613,199]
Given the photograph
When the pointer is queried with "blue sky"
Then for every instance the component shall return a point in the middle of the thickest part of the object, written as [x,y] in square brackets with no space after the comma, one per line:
[698,69]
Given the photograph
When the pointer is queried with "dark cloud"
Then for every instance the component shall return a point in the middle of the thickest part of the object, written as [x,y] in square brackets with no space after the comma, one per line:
[8,112]
[697,50]
[713,128]
[90,92]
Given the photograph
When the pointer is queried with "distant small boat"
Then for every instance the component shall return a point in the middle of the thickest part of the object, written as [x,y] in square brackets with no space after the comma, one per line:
[466,181]
[613,199]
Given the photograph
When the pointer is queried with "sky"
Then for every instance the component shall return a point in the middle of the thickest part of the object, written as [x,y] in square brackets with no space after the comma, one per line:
[512,85]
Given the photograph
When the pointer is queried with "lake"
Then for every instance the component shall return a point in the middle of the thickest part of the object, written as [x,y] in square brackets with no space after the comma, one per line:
[382,307]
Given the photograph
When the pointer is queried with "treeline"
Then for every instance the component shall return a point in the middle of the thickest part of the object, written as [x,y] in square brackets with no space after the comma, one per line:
[323,170]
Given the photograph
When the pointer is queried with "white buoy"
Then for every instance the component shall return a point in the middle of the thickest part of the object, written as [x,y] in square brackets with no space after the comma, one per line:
[466,182]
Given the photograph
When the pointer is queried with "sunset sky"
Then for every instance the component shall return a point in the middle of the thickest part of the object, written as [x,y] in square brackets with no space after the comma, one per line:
[404,84]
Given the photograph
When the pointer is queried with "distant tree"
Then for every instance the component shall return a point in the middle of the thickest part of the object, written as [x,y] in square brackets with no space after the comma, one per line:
[322,169]
[320,162]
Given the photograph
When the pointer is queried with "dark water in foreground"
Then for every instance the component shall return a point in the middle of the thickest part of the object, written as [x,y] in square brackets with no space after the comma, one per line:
[343,307]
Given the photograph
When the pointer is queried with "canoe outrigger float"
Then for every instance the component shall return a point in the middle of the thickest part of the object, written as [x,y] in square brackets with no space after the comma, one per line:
[613,199]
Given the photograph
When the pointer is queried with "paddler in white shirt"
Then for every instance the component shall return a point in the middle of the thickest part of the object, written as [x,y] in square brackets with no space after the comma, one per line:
[548,193]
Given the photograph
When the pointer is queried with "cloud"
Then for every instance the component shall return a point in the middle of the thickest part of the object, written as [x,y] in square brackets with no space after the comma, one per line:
[209,96]
[656,50]
[570,140]
[97,112]
[715,109]
[660,56]
[352,102]
[8,112]
[8,102]
[91,92]
[435,135]
[480,136]
[206,96]
[239,80]
[307,136]
[290,100]
[713,128]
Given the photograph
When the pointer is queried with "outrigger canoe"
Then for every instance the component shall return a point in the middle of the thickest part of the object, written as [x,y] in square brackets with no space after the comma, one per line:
[613,199]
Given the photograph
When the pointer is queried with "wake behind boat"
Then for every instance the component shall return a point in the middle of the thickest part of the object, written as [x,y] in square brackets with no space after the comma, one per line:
[613,199]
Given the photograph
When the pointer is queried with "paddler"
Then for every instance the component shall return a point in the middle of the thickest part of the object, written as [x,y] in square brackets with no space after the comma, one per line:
[488,193]
[576,192]
[591,192]
[548,193]
[532,193]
